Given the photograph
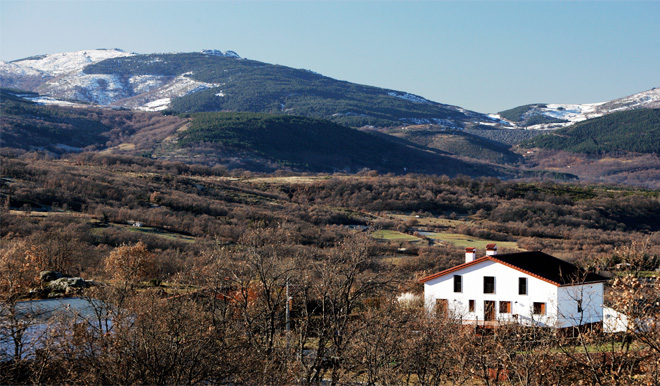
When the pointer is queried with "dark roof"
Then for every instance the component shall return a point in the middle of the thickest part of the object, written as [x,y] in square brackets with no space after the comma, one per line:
[538,264]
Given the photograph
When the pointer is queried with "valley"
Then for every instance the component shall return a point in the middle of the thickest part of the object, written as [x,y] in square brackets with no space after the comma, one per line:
[250,223]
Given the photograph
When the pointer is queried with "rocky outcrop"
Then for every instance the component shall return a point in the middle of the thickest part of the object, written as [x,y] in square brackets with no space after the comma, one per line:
[48,276]
[66,284]
[55,284]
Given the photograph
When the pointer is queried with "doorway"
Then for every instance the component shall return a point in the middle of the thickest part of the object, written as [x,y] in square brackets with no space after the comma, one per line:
[489,310]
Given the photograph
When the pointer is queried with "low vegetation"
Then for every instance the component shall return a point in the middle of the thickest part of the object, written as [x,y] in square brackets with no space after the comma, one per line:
[202,282]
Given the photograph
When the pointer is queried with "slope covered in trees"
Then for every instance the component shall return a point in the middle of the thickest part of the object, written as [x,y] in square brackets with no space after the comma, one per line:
[469,143]
[627,131]
[251,86]
[311,144]
[28,125]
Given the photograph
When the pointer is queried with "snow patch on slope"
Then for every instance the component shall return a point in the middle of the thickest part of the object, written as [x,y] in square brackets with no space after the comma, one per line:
[66,62]
[157,105]
[43,100]
[13,69]
[409,97]
[649,99]
[573,112]
[61,76]
[98,88]
[160,98]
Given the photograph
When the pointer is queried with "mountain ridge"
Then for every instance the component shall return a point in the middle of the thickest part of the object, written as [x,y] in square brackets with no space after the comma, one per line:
[212,80]
[552,116]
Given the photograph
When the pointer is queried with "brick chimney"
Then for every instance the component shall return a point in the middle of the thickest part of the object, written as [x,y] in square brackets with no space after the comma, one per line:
[470,254]
[491,250]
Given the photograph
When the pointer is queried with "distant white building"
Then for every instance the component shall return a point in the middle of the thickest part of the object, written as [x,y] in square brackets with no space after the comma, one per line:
[529,288]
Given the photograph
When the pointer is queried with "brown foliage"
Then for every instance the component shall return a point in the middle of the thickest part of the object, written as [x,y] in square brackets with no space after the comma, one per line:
[131,263]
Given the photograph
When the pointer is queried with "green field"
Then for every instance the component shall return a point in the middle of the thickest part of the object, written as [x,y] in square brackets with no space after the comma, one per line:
[460,240]
[429,221]
[161,233]
[147,230]
[393,235]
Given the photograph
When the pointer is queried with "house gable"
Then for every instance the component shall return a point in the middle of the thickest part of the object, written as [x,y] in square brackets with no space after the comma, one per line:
[530,288]
[536,264]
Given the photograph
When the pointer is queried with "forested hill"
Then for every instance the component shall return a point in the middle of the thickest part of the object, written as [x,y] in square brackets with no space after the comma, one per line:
[627,131]
[27,125]
[251,141]
[301,143]
[252,86]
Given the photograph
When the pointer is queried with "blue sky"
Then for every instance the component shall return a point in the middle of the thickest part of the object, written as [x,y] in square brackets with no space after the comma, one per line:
[485,56]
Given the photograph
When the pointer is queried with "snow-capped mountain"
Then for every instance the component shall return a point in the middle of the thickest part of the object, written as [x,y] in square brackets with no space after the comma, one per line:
[62,76]
[213,80]
[555,116]
[67,62]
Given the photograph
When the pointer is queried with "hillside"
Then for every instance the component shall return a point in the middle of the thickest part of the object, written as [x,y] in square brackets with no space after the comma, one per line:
[626,131]
[28,125]
[251,141]
[468,143]
[541,116]
[216,81]
[247,140]
[247,85]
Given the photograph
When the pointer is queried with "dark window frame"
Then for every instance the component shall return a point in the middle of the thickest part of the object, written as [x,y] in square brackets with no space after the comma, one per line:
[489,284]
[522,286]
[458,283]
[505,307]
[471,305]
[539,308]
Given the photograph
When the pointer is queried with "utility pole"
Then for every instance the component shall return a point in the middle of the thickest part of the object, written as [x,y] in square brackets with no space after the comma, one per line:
[288,308]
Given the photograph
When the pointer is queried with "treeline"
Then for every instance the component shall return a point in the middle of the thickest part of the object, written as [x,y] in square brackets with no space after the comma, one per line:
[194,200]
[535,205]
[506,136]
[625,131]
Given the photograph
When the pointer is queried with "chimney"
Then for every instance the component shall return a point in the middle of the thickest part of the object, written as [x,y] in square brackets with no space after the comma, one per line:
[470,254]
[491,250]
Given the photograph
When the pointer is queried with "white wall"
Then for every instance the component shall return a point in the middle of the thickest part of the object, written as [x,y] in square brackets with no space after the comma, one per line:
[506,288]
[592,304]
[614,321]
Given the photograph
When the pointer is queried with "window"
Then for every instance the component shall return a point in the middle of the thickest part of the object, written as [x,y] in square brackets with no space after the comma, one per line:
[458,283]
[441,308]
[489,284]
[505,307]
[579,306]
[522,286]
[539,308]
[471,305]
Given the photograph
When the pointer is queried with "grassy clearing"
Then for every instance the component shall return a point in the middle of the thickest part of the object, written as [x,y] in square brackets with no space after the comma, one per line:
[48,214]
[161,233]
[429,221]
[460,240]
[393,236]
[288,180]
[148,230]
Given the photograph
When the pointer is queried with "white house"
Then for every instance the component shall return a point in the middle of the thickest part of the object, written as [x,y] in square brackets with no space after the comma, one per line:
[530,288]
